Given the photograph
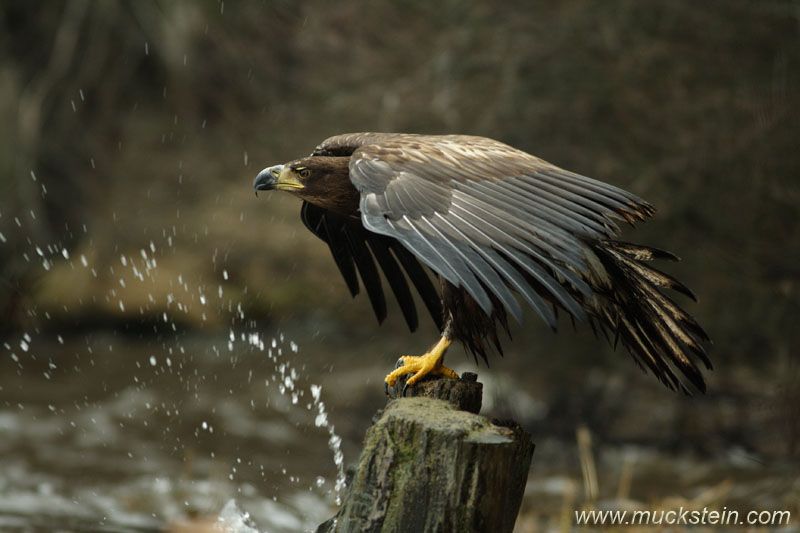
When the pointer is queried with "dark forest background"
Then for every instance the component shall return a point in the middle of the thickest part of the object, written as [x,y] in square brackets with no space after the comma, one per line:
[124,123]
[127,112]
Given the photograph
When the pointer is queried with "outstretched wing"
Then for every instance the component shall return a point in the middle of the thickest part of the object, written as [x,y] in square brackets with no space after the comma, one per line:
[497,221]
[487,217]
[356,251]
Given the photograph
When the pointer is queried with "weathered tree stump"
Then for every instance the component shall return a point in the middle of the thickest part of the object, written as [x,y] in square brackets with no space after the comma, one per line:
[427,465]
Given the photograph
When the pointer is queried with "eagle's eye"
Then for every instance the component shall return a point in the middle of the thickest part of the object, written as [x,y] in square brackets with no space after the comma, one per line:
[304,172]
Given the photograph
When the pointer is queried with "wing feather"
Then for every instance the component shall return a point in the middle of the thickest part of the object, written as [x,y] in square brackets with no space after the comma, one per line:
[369,273]
[482,269]
[543,194]
[470,222]
[416,273]
[315,220]
[509,273]
[577,223]
[396,280]
[355,250]
[451,256]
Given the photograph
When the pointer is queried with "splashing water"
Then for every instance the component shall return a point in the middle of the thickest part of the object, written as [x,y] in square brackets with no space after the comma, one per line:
[334,442]
[287,379]
[232,520]
[113,422]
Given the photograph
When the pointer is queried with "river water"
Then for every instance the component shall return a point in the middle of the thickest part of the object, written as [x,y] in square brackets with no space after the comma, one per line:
[108,432]
[154,429]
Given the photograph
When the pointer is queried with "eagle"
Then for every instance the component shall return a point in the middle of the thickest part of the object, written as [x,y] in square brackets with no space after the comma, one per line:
[479,229]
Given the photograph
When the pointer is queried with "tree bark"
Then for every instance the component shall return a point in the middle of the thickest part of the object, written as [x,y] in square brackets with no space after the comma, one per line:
[429,466]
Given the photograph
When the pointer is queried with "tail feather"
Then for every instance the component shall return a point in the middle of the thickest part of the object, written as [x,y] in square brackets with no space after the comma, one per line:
[655,330]
[653,275]
[678,314]
[647,351]
[640,252]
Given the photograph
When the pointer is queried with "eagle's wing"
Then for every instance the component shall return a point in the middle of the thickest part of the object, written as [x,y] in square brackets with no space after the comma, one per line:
[353,249]
[487,217]
[492,219]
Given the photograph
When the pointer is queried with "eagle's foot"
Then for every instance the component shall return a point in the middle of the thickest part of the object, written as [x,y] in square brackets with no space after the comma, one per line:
[428,364]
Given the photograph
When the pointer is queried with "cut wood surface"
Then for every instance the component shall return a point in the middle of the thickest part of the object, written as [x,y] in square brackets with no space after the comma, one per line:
[427,465]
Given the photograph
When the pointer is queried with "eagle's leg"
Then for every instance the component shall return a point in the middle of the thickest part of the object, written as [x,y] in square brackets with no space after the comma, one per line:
[429,363]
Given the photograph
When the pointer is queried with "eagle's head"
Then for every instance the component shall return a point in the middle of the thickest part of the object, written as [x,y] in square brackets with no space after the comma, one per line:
[321,180]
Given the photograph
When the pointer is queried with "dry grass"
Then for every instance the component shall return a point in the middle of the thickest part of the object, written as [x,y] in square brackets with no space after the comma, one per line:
[702,489]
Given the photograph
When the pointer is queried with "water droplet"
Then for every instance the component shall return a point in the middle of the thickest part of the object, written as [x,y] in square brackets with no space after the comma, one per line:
[315,392]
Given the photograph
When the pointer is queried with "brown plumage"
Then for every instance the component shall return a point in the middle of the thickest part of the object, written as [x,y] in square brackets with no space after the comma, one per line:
[495,225]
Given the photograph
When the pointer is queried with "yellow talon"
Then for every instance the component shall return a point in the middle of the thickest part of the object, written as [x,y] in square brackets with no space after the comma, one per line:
[422,365]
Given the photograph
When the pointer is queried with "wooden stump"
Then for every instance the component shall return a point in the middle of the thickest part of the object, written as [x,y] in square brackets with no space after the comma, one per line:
[428,466]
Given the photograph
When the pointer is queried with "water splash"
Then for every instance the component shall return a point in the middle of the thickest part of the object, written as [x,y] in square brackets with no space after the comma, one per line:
[135,407]
[232,520]
[334,441]
[287,380]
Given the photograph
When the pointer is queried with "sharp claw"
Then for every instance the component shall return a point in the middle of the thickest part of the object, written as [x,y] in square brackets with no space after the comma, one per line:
[386,388]
[405,388]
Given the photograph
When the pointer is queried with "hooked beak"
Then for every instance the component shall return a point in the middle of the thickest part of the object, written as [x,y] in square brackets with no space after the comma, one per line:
[267,178]
[276,177]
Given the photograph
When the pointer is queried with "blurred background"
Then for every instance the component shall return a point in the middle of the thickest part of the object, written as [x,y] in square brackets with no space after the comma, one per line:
[163,331]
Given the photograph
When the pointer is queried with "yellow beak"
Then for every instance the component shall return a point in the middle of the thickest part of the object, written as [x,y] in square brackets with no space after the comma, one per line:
[277,177]
[287,180]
